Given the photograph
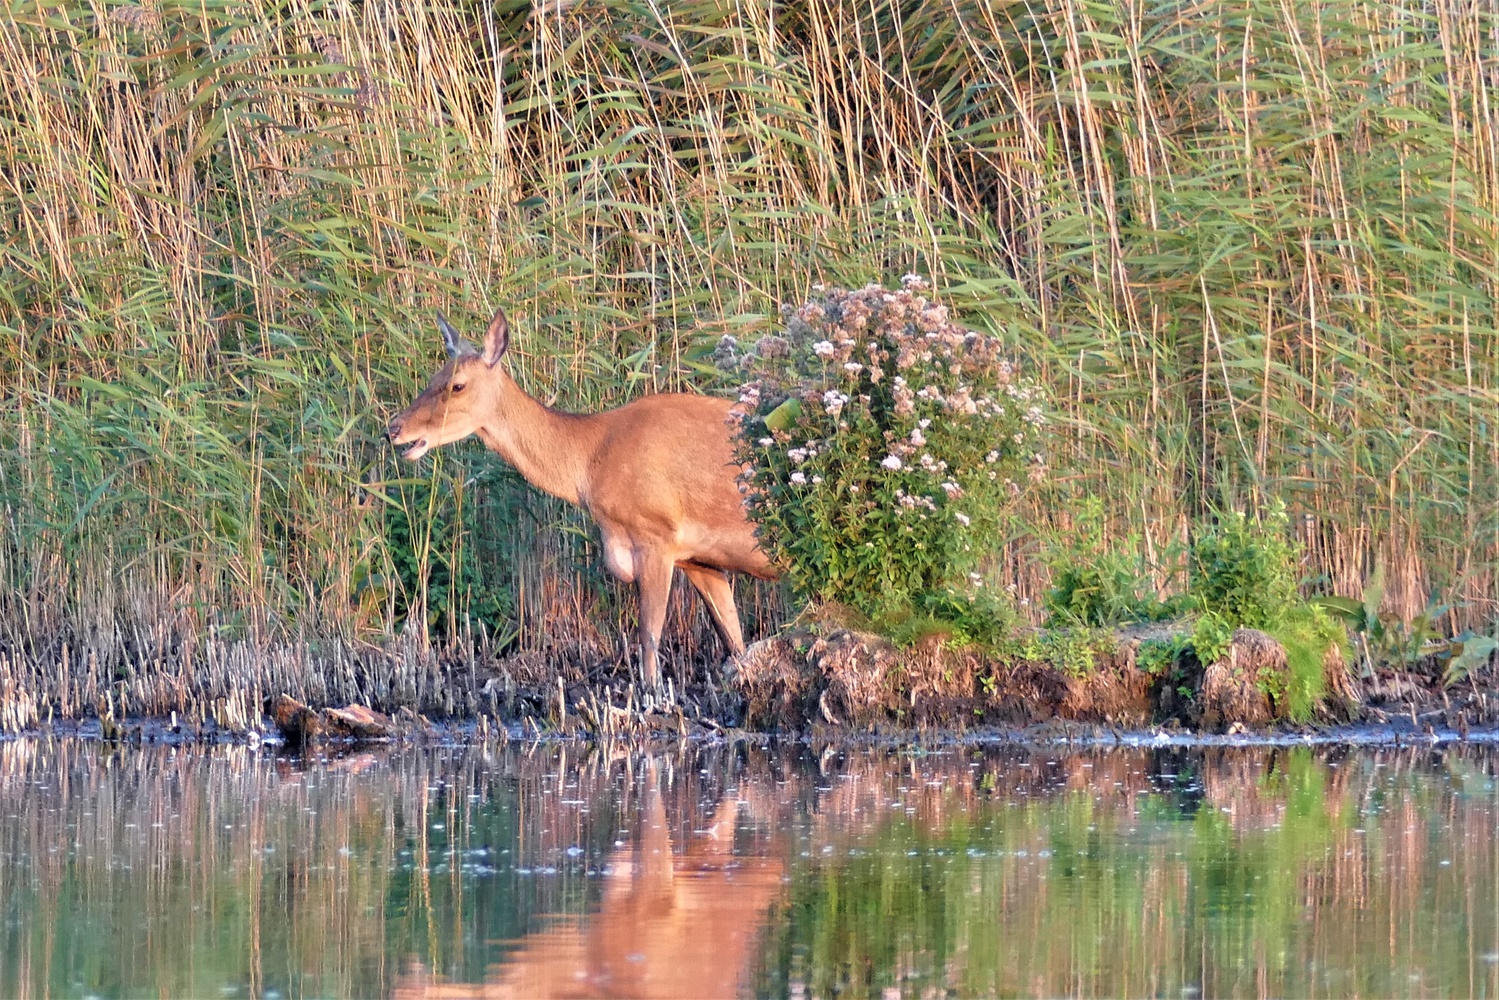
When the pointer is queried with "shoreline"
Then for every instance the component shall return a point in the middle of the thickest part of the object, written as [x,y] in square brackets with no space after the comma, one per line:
[148,732]
[833,685]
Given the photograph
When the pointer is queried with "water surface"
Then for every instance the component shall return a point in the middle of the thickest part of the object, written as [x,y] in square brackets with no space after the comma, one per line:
[551,870]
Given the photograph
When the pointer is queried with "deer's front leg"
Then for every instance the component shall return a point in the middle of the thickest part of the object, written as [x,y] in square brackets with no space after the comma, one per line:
[653,579]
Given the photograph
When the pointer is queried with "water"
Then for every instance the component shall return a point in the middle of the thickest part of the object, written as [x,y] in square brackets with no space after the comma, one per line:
[510,871]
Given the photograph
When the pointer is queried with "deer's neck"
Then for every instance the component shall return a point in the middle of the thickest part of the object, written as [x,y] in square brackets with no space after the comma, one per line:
[550,449]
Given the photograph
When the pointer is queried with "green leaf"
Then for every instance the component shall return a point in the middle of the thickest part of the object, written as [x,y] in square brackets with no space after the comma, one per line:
[781,417]
[1373,595]
[1473,654]
[1349,609]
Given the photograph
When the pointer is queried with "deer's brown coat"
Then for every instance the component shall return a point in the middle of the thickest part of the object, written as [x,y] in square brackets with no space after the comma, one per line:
[658,475]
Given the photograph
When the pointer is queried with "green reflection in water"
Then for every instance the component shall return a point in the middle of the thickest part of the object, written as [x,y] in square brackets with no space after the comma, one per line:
[560,870]
[1264,872]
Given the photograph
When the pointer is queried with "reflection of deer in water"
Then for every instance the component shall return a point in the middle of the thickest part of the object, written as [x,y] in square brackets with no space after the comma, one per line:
[669,925]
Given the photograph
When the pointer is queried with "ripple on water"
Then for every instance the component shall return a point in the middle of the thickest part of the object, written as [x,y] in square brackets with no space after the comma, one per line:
[553,869]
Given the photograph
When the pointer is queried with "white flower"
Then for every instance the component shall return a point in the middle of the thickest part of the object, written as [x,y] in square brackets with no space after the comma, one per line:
[1020,439]
[816,480]
[953,490]
[992,457]
[891,462]
[798,478]
[925,423]
[766,442]
[833,401]
[917,438]
[962,519]
[853,367]
[975,579]
[797,455]
[824,349]
[853,487]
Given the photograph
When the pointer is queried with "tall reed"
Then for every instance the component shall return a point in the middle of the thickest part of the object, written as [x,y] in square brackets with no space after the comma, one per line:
[1250,245]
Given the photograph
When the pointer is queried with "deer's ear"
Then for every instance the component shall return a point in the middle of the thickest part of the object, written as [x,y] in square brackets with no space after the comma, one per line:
[450,338]
[496,338]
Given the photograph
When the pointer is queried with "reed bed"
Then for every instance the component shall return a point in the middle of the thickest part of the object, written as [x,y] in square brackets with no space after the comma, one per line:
[1250,246]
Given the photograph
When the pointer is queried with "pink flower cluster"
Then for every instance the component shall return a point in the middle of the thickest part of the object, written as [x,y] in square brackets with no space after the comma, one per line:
[875,421]
[931,412]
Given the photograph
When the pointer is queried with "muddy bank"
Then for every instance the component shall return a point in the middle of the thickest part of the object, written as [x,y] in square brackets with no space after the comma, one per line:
[856,681]
[835,685]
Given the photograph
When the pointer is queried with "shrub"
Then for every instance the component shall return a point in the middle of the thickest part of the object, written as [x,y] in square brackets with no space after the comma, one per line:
[884,444]
[979,619]
[1094,584]
[1212,635]
[1244,570]
[431,533]
[1073,651]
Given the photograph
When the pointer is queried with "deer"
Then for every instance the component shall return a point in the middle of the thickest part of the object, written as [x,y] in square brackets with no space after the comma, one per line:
[658,475]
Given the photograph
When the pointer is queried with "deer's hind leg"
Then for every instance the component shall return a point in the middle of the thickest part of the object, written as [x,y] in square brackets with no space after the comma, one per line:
[718,594]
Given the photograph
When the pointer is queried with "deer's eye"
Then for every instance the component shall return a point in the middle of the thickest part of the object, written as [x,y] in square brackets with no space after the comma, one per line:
[456,387]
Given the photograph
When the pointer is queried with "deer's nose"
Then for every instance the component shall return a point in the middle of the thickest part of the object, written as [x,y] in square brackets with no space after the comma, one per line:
[394,430]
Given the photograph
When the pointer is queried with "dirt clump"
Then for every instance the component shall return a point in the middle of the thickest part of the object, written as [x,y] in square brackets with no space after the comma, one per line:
[776,681]
[302,726]
[862,681]
[1234,686]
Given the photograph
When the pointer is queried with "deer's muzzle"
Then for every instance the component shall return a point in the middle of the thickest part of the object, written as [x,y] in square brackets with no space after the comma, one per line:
[397,437]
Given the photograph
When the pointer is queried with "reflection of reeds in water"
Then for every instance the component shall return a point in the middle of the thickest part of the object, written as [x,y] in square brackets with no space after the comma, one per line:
[229,868]
[506,870]
[1126,872]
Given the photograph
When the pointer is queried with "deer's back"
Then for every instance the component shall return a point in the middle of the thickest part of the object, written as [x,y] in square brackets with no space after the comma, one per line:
[665,465]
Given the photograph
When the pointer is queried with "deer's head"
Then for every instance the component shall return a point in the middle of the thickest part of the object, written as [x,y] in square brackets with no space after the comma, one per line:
[460,396]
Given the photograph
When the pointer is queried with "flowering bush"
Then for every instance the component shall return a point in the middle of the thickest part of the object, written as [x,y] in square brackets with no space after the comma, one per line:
[883,444]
